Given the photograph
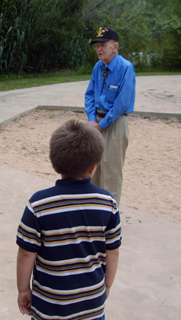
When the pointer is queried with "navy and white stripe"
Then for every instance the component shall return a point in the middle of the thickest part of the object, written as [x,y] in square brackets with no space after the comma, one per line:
[70,226]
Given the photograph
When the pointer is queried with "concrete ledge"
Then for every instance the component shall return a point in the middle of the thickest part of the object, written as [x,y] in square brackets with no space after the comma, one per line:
[135,113]
[161,115]
[17,116]
[76,109]
[141,114]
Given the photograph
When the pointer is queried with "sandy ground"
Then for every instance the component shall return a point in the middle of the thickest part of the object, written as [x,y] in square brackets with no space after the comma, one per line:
[152,171]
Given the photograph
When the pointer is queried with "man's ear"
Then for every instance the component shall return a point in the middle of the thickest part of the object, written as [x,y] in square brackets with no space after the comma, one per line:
[116,45]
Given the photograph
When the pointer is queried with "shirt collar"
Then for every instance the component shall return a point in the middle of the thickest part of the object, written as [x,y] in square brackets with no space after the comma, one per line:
[111,64]
[73,182]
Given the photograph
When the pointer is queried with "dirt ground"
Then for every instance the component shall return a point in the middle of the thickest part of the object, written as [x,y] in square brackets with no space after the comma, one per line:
[152,170]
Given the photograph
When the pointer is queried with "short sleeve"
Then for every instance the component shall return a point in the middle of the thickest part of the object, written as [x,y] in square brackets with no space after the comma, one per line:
[113,232]
[29,232]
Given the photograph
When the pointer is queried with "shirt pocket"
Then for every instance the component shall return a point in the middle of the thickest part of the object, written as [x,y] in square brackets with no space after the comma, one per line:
[112,93]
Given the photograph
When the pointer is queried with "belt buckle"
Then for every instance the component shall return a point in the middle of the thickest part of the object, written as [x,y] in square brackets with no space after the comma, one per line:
[100,114]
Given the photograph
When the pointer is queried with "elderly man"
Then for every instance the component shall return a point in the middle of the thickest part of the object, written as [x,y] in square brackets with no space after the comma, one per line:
[109,98]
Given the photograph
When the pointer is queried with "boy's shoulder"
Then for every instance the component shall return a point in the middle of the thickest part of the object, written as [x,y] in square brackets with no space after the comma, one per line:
[70,187]
[105,194]
[101,190]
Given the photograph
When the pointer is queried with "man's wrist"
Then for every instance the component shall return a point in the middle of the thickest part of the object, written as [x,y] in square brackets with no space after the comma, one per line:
[99,128]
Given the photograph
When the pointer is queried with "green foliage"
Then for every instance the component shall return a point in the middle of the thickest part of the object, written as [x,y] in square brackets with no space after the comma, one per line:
[50,40]
[12,37]
[49,35]
[85,69]
[149,30]
[92,56]
[38,35]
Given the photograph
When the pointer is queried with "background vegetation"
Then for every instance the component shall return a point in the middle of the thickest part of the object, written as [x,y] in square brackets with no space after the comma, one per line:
[48,35]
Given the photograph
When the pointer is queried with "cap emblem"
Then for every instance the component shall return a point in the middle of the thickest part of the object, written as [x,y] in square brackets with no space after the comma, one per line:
[100,32]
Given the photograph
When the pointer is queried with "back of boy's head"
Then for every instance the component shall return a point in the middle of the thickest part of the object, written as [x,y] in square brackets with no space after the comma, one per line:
[75,147]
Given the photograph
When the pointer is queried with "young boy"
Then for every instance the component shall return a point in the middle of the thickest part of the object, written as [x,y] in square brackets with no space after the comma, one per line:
[69,235]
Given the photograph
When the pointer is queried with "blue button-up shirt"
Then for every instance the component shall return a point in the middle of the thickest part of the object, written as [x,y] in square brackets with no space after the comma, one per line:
[116,96]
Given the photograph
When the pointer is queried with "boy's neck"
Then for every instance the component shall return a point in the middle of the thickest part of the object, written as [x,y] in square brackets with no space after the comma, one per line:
[86,175]
[77,178]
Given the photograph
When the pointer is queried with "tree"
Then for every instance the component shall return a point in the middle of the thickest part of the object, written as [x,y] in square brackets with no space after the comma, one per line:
[44,35]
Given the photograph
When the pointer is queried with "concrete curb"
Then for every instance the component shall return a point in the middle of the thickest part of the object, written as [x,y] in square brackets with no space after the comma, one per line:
[18,116]
[141,114]
[46,107]
[160,115]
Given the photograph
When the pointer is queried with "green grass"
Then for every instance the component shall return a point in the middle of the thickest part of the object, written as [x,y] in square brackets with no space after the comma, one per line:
[11,82]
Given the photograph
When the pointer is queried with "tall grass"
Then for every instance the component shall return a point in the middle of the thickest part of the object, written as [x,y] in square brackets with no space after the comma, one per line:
[12,38]
[49,35]
[39,35]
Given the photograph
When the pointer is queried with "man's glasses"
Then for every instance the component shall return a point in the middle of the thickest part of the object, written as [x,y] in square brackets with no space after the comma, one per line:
[101,46]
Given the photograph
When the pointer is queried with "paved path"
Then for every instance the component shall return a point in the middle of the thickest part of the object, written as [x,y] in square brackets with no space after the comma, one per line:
[160,94]
[148,282]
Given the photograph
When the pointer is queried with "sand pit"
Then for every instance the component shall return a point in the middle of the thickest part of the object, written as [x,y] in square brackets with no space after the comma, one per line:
[152,171]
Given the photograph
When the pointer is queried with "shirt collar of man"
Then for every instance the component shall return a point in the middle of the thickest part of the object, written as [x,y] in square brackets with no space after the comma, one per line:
[111,64]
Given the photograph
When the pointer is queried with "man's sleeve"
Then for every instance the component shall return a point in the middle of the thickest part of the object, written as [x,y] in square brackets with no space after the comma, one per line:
[90,100]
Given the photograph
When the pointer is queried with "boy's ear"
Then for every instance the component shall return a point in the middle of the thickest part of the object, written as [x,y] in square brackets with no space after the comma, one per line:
[93,169]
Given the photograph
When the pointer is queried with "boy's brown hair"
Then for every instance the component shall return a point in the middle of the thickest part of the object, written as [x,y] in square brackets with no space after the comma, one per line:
[75,147]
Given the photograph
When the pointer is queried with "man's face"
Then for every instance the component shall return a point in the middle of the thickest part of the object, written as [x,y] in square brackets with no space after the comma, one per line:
[106,50]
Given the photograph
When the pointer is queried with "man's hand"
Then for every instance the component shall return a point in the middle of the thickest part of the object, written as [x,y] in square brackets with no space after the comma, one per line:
[24,301]
[95,125]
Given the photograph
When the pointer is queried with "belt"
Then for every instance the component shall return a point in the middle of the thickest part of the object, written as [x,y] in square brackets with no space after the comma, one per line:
[101,114]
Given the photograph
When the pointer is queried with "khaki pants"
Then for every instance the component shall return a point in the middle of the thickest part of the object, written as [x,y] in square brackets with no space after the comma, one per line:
[109,174]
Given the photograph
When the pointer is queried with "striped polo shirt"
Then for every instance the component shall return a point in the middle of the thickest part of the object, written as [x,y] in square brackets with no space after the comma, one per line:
[70,226]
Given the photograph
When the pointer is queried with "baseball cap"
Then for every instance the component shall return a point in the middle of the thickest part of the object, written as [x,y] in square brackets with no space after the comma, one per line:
[105,34]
